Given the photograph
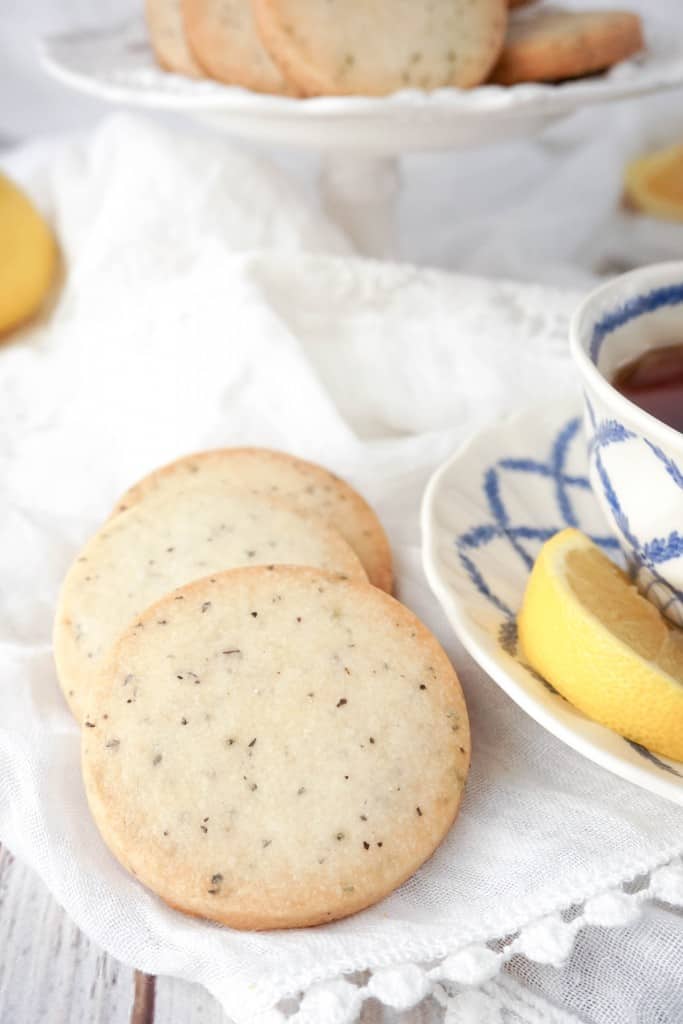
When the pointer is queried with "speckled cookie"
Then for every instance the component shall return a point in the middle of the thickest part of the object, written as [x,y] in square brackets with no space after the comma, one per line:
[310,488]
[167,36]
[328,48]
[224,40]
[548,45]
[159,544]
[275,748]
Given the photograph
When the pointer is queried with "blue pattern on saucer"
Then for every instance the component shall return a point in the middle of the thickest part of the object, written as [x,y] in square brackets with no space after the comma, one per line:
[500,525]
[649,756]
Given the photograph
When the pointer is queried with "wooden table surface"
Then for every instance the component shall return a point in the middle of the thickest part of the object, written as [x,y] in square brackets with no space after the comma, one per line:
[51,973]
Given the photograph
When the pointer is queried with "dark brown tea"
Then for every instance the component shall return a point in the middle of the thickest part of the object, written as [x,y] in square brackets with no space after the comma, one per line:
[654,381]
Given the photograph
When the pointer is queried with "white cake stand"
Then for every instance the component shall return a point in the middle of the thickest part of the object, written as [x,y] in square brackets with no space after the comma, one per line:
[360,138]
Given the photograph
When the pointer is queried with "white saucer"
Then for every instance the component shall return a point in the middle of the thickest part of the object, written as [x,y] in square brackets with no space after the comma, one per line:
[485,514]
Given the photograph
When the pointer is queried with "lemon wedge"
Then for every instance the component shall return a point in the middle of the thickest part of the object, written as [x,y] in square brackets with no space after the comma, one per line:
[28,257]
[654,183]
[585,628]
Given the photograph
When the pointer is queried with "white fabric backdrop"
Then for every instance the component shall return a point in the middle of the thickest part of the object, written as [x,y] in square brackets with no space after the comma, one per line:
[172,334]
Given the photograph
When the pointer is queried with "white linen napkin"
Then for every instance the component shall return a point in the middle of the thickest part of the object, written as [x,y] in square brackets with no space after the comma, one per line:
[171,334]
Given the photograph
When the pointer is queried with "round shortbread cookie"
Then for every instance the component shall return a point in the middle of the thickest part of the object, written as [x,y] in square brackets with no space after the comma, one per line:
[377,48]
[275,748]
[310,488]
[222,35]
[159,544]
[551,45]
[167,36]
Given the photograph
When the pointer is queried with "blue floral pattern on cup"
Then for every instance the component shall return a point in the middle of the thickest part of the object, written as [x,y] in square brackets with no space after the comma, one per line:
[642,466]
[645,555]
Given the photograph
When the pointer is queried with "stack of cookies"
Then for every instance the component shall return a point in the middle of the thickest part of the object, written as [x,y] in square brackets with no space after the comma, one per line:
[319,48]
[269,738]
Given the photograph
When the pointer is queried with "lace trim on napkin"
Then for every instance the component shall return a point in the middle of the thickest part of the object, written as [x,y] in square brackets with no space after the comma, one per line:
[468,983]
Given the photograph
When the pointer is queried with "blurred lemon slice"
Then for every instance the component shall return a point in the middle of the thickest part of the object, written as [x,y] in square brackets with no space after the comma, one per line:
[28,257]
[654,183]
[585,628]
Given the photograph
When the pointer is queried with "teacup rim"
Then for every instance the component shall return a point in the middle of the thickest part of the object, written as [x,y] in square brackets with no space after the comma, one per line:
[579,342]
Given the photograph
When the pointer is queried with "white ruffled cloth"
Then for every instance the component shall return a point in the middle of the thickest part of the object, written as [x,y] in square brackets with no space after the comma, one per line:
[172,333]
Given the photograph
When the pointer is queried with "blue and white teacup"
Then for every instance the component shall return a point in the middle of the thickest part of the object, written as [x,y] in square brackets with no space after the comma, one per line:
[636,461]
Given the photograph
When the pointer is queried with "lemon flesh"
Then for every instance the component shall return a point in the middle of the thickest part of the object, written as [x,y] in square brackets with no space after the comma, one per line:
[585,628]
[654,183]
[28,257]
